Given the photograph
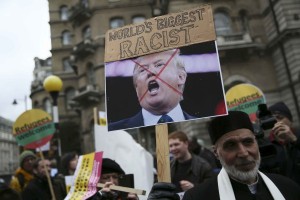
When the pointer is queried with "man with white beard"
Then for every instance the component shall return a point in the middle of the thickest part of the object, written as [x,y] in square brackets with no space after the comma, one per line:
[237,149]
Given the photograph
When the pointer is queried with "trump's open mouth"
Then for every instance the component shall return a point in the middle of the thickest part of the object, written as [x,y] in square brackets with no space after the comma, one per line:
[153,87]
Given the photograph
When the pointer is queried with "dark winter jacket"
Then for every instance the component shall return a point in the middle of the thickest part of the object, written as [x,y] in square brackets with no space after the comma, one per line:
[38,189]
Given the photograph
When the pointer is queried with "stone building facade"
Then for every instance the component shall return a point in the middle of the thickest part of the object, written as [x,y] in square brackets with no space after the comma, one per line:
[9,149]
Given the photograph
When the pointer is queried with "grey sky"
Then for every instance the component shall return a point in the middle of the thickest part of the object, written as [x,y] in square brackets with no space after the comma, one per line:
[24,34]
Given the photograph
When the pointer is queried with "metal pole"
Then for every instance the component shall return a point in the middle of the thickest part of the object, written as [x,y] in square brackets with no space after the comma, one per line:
[25,100]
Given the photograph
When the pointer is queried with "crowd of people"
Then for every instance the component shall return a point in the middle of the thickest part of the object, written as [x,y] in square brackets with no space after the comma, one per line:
[231,169]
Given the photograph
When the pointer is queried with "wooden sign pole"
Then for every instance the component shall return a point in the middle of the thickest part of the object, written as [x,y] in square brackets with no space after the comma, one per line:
[162,153]
[48,177]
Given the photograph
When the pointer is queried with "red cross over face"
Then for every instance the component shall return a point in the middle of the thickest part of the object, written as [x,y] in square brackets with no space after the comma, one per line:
[159,79]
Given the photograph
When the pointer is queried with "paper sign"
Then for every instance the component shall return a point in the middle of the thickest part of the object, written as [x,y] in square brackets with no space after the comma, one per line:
[87,175]
[246,98]
[160,33]
[33,128]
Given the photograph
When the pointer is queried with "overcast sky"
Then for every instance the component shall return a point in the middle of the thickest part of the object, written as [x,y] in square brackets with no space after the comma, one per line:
[24,34]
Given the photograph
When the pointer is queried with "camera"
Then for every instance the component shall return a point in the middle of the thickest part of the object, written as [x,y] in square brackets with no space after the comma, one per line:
[266,121]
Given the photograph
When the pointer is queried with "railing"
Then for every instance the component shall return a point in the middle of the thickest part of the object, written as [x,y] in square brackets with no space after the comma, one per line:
[79,13]
[234,39]
[84,48]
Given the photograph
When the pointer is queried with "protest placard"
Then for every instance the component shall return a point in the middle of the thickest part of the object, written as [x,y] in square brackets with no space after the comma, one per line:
[33,128]
[245,97]
[167,65]
[86,176]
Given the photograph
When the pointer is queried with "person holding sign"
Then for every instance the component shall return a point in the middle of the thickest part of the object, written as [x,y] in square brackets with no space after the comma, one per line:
[159,81]
[38,188]
[237,149]
[110,174]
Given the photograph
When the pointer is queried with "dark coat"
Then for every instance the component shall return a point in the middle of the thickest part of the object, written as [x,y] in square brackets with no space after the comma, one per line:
[135,121]
[209,190]
[285,161]
[199,171]
[38,189]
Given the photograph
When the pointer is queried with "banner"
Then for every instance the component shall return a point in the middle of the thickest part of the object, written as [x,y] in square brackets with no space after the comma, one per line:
[87,175]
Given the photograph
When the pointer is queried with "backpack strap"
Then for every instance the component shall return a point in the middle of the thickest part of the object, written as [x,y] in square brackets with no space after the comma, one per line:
[21,180]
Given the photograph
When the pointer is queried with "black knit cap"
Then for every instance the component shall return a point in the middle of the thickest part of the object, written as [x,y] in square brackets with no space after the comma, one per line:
[282,109]
[110,166]
[219,126]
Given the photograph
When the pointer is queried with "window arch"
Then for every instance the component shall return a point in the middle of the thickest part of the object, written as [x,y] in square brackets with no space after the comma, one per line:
[117,22]
[67,65]
[86,32]
[64,13]
[47,106]
[70,93]
[138,19]
[222,23]
[90,74]
[66,38]
[234,80]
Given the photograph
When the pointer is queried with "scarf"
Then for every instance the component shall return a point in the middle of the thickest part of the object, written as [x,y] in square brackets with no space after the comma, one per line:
[226,191]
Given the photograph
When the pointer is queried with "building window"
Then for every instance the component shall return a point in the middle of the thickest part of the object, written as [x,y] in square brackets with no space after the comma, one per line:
[67,65]
[70,93]
[244,20]
[90,74]
[64,13]
[66,38]
[85,3]
[222,23]
[117,22]
[35,104]
[138,19]
[86,32]
[47,105]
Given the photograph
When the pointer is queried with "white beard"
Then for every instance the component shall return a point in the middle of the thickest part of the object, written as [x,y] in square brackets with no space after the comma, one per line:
[240,175]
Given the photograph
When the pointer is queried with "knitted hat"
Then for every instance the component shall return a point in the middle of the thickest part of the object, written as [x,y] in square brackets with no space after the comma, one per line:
[110,166]
[219,126]
[282,109]
[24,155]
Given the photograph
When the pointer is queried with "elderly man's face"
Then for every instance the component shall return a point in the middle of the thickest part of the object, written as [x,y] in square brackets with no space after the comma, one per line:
[157,82]
[239,154]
